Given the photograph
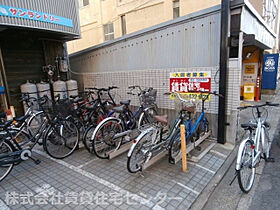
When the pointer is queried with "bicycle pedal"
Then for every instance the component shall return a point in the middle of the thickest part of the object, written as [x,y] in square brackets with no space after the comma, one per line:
[270,160]
[37,162]
[198,148]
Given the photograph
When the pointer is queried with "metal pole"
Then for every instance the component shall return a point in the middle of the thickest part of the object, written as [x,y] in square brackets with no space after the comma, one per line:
[4,77]
[224,56]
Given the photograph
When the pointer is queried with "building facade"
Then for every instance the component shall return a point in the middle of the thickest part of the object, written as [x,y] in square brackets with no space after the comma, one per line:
[103,20]
[189,43]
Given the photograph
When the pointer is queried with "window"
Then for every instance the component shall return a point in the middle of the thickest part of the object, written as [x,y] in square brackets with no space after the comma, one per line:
[123,24]
[108,31]
[176,9]
[83,3]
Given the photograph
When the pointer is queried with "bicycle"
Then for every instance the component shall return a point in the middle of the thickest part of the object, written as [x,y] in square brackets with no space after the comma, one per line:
[109,134]
[253,148]
[154,139]
[60,139]
[194,130]
[102,108]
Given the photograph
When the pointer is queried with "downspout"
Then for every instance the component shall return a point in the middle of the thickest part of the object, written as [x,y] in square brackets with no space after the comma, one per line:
[224,56]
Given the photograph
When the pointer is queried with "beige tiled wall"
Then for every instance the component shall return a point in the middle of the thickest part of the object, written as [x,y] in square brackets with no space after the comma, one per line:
[158,79]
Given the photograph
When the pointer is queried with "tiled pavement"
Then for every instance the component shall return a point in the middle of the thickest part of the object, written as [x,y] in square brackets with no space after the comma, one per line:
[82,181]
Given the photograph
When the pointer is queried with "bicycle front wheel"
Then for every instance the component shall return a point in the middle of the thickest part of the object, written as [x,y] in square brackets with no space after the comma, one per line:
[103,142]
[246,173]
[5,149]
[140,153]
[61,139]
[35,122]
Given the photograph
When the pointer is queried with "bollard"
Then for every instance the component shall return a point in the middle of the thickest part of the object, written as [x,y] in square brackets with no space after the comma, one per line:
[183,148]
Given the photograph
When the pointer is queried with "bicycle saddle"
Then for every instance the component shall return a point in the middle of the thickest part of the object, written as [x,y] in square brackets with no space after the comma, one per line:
[249,126]
[21,118]
[125,102]
[119,109]
[161,118]
[77,99]
[190,109]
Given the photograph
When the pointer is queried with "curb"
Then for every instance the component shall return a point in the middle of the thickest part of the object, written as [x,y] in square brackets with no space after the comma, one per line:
[202,199]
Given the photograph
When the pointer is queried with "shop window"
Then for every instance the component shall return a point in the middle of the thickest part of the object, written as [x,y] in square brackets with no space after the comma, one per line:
[176,9]
[108,31]
[123,24]
[83,3]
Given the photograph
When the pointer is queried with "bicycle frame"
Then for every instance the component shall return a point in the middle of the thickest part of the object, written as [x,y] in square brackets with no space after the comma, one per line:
[259,138]
[192,128]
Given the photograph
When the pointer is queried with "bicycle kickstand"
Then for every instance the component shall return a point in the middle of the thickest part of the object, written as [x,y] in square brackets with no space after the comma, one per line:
[35,161]
[270,160]
[235,175]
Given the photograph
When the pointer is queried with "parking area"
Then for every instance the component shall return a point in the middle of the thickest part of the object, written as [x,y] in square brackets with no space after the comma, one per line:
[82,181]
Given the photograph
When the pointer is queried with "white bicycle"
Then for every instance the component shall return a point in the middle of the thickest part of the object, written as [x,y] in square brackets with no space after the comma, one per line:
[253,148]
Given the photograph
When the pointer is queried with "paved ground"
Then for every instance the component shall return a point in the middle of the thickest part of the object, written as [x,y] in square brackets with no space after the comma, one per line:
[265,192]
[82,181]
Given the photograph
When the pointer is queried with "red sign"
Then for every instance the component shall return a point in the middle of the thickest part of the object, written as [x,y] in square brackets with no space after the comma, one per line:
[190,82]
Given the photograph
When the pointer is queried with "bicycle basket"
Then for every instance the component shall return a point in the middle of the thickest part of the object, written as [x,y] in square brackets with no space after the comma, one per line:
[63,108]
[149,97]
[185,105]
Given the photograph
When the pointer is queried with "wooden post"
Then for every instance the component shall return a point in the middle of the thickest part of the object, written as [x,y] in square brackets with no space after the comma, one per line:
[183,148]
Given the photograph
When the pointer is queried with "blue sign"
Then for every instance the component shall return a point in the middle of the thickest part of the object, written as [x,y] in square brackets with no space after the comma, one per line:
[34,15]
[2,90]
[269,72]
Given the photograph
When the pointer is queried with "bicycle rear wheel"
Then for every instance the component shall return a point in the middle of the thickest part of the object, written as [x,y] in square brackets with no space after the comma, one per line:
[87,137]
[140,153]
[5,169]
[175,146]
[61,139]
[147,117]
[203,128]
[35,122]
[246,173]
[103,141]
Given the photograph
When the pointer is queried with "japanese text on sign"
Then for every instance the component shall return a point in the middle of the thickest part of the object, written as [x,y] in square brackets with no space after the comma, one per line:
[34,15]
[186,82]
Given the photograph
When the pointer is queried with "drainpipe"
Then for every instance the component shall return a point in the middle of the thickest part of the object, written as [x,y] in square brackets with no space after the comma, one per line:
[224,56]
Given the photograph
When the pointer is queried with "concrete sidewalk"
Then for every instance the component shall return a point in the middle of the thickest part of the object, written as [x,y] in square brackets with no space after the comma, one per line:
[82,181]
[265,192]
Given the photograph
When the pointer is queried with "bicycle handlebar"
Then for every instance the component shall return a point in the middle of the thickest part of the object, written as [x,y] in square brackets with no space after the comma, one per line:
[103,89]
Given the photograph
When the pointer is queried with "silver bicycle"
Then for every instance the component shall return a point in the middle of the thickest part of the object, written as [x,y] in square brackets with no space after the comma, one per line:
[253,148]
